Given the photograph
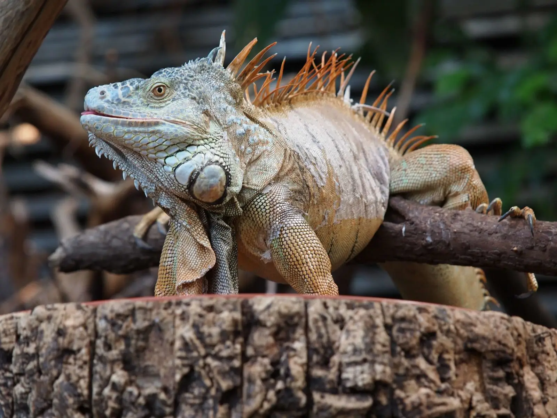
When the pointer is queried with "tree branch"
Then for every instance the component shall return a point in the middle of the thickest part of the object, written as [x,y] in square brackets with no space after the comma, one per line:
[23,25]
[411,232]
[437,236]
[109,247]
[63,128]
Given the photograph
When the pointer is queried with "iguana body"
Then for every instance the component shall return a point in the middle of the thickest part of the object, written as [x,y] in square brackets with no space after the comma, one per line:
[289,183]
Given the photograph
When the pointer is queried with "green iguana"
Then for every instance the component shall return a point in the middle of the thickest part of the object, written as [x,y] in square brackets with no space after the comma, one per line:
[288,180]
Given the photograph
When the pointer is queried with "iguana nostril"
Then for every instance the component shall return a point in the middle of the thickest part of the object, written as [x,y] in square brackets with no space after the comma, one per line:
[102,93]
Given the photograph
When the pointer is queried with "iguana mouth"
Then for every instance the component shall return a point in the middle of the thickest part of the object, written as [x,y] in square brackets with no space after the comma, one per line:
[138,119]
[95,113]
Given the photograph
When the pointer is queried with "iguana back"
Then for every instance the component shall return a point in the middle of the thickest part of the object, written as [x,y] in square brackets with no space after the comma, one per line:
[344,172]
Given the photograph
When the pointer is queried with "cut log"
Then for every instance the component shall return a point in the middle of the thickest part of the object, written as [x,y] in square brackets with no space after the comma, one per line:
[261,356]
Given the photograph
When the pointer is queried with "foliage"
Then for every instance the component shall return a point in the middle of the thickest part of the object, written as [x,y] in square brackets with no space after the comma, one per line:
[255,18]
[472,85]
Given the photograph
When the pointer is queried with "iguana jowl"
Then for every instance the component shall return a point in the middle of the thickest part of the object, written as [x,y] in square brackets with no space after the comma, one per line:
[290,181]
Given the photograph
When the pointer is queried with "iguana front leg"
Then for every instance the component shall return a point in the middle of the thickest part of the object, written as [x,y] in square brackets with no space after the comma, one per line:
[271,227]
[223,277]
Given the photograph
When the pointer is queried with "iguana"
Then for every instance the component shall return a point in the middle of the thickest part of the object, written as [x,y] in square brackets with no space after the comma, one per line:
[286,180]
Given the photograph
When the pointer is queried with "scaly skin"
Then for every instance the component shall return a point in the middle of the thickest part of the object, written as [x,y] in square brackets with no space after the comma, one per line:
[289,184]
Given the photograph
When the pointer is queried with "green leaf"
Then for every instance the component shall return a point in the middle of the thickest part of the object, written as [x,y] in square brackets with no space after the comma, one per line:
[531,86]
[452,82]
[551,51]
[255,18]
[539,125]
[446,120]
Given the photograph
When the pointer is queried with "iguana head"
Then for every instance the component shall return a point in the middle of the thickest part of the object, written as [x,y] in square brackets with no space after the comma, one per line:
[167,131]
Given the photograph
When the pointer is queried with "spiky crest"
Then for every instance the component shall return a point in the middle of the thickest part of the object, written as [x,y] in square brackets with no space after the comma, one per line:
[319,79]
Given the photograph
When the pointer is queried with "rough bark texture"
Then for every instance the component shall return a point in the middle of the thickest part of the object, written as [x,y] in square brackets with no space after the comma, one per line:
[411,232]
[437,236]
[274,356]
[110,247]
[23,25]
[62,126]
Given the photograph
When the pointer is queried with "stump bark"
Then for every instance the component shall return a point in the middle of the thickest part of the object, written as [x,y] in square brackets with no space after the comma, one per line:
[277,356]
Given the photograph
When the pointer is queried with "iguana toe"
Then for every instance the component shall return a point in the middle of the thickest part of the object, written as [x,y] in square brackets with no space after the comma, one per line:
[495,206]
[156,216]
[141,243]
[532,284]
[526,213]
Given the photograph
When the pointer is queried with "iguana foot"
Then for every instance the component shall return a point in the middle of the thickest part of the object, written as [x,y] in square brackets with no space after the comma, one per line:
[157,216]
[496,207]
[487,297]
[527,214]
[532,285]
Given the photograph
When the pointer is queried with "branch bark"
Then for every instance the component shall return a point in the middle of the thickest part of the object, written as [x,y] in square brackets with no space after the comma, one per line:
[23,26]
[63,128]
[411,232]
[438,236]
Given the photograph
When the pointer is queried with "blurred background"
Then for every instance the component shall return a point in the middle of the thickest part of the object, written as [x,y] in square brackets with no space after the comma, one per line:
[479,73]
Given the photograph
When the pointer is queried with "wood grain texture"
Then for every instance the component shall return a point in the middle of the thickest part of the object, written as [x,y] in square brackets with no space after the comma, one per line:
[273,356]
[23,26]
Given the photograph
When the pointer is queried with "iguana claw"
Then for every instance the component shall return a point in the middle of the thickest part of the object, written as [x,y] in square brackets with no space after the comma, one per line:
[526,213]
[162,227]
[532,284]
[156,216]
[531,223]
[141,243]
[496,206]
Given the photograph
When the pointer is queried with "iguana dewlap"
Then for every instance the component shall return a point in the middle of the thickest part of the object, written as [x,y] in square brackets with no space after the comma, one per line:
[289,181]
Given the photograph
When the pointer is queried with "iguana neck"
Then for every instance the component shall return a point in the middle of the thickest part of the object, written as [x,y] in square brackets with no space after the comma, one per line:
[259,148]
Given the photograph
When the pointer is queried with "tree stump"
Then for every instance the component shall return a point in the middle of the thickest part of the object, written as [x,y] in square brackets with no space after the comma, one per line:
[246,356]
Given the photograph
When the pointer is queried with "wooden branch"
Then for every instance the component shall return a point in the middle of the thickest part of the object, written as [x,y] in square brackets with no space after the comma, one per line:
[108,201]
[75,286]
[274,356]
[411,233]
[82,13]
[417,53]
[23,26]
[110,247]
[63,128]
[437,236]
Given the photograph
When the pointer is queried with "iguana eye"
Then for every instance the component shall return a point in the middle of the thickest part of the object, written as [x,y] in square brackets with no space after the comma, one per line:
[159,90]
